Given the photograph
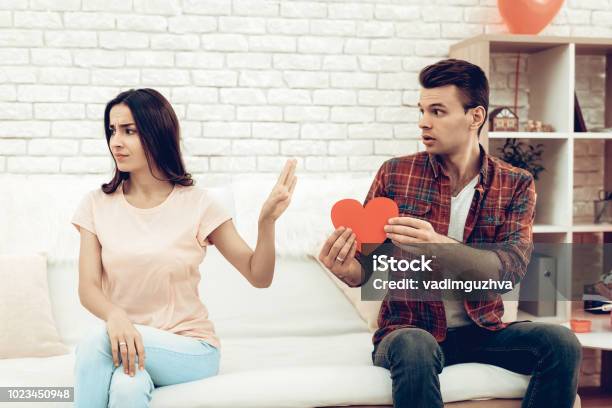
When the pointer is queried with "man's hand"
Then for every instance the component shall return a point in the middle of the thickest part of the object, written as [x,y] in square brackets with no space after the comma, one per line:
[408,230]
[416,237]
[338,253]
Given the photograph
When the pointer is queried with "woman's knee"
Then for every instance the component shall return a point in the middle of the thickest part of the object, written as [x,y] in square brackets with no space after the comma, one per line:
[127,391]
[96,345]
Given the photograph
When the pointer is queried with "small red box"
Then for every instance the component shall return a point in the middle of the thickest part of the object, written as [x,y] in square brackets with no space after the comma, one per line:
[580,326]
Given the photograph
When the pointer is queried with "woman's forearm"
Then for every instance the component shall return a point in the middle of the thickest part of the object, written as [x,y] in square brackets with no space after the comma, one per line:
[94,300]
[263,258]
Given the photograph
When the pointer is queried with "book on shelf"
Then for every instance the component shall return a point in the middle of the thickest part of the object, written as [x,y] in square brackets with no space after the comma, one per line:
[579,123]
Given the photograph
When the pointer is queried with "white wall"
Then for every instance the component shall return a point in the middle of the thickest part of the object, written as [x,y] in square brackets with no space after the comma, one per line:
[253,82]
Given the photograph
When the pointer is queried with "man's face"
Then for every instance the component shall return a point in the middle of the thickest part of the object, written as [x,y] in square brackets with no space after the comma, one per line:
[445,126]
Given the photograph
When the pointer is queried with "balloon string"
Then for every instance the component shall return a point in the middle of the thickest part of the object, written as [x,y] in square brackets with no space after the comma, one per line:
[516,83]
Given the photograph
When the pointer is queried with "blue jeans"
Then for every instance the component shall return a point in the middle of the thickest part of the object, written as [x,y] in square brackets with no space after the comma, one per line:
[549,352]
[170,359]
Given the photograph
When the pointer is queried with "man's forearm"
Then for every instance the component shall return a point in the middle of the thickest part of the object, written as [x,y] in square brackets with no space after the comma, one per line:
[457,261]
[464,262]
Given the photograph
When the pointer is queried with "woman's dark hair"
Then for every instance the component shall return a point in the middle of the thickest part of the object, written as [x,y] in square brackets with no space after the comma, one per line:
[469,79]
[159,132]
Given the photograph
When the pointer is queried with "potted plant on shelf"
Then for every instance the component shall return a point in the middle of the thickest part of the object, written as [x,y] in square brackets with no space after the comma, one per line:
[523,155]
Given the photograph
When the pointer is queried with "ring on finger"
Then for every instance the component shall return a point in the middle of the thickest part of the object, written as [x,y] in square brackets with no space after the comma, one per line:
[338,259]
[122,343]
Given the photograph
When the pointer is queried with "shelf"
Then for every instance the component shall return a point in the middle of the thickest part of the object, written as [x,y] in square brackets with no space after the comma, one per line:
[592,228]
[529,135]
[549,228]
[593,135]
[551,135]
[535,43]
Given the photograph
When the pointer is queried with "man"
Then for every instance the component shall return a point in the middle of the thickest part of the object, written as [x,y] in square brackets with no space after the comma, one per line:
[454,193]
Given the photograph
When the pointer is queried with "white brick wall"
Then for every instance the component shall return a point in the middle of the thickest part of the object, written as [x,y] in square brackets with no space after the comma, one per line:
[253,81]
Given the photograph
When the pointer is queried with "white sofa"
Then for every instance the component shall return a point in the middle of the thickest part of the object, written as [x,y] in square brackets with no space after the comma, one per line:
[299,343]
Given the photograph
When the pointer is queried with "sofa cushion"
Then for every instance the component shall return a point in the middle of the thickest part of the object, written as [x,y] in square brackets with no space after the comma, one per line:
[36,212]
[300,302]
[27,327]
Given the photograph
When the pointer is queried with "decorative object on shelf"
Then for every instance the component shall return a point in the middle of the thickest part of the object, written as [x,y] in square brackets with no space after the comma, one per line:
[603,208]
[528,16]
[503,120]
[579,123]
[607,307]
[538,293]
[598,296]
[522,155]
[538,126]
[580,326]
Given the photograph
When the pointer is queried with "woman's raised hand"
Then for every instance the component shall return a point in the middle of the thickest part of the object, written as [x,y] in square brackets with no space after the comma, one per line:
[280,196]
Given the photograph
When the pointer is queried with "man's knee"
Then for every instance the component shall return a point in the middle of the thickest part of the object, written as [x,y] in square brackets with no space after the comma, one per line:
[127,391]
[561,342]
[567,346]
[415,348]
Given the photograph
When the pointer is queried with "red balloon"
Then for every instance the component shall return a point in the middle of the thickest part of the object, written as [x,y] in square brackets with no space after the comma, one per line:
[528,16]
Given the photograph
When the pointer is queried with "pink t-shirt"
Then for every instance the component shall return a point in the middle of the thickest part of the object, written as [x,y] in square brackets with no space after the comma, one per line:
[151,257]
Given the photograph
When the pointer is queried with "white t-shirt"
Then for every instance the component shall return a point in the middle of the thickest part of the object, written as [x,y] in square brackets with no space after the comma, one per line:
[456,315]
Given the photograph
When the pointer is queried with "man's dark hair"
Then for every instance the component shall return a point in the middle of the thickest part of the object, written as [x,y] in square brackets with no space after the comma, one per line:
[469,79]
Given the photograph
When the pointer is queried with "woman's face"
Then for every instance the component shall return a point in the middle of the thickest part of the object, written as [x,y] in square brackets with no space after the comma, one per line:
[125,144]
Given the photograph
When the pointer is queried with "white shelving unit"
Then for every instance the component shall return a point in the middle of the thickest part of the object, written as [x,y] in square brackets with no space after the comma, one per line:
[530,135]
[551,81]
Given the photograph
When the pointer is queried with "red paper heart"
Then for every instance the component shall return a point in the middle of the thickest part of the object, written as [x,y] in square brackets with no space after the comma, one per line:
[367,223]
[528,16]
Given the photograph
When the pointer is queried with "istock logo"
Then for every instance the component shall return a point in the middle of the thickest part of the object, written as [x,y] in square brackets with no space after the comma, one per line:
[383,263]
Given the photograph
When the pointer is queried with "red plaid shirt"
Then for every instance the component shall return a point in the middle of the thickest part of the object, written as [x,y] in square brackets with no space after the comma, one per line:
[502,211]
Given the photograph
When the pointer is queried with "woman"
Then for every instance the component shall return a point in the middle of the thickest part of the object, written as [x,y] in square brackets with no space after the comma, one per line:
[143,237]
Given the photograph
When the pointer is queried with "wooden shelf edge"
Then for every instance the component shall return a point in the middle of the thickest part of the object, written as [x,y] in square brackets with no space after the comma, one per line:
[529,135]
[592,135]
[531,40]
[592,228]
[551,135]
[549,228]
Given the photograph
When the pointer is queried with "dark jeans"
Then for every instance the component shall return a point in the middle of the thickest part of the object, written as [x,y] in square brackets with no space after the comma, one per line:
[549,352]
